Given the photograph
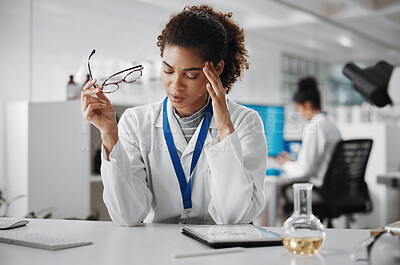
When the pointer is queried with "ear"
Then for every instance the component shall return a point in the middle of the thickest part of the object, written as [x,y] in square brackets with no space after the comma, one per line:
[220,67]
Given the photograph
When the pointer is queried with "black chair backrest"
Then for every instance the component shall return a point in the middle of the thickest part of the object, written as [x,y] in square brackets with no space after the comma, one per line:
[344,184]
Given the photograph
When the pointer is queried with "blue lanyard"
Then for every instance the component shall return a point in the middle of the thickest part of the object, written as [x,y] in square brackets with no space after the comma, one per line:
[186,187]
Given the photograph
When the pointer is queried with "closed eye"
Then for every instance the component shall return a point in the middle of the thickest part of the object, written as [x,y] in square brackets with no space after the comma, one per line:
[191,75]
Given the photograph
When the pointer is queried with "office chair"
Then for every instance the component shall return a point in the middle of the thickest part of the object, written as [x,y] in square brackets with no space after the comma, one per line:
[344,190]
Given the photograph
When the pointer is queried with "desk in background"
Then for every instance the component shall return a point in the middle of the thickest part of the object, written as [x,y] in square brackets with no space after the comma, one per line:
[390,179]
[156,243]
[272,184]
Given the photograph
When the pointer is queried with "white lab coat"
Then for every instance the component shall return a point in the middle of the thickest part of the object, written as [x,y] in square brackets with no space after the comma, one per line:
[319,140]
[140,183]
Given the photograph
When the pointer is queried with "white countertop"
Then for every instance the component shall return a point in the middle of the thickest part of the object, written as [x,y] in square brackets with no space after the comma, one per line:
[156,244]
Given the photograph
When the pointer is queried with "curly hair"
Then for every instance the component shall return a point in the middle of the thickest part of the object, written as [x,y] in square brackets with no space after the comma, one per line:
[213,34]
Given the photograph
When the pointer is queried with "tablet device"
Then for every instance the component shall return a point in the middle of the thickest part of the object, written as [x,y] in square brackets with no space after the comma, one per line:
[240,235]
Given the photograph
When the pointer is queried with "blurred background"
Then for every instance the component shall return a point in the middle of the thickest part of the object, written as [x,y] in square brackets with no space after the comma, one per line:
[50,156]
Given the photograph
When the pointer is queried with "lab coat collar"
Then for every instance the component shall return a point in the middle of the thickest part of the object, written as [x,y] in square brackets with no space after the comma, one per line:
[319,114]
[177,134]
[159,120]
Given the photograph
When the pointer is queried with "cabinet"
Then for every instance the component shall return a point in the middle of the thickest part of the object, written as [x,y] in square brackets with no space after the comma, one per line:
[53,153]
[96,186]
[384,157]
[47,147]
[51,159]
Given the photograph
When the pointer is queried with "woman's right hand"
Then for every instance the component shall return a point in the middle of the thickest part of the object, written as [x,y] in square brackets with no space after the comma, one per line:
[100,112]
[283,158]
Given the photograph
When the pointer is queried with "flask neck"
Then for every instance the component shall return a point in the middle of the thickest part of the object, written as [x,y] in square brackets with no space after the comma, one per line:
[302,200]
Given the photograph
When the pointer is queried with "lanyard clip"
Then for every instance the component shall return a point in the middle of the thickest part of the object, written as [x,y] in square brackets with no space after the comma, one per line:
[187,211]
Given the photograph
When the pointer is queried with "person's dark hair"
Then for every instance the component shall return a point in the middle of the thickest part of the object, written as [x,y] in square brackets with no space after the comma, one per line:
[307,90]
[214,34]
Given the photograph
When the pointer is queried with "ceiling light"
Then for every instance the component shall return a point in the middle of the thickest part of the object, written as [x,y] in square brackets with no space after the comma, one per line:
[346,42]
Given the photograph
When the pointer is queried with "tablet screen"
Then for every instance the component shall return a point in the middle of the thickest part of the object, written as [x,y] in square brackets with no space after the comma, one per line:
[232,233]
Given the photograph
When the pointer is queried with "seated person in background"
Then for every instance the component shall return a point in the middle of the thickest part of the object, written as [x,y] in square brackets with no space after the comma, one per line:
[319,138]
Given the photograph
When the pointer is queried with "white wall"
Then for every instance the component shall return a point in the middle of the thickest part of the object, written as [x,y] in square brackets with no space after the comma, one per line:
[2,151]
[261,83]
[14,62]
[64,33]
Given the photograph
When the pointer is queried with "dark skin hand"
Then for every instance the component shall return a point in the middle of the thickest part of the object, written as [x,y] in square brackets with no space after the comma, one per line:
[100,112]
[217,93]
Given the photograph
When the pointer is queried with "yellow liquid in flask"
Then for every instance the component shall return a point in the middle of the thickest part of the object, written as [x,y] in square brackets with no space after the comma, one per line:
[303,245]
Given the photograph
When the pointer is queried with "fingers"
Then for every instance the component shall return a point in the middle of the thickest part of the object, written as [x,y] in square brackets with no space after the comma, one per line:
[88,112]
[87,100]
[212,76]
[283,153]
[286,155]
[211,91]
[88,91]
[280,161]
[89,84]
[103,97]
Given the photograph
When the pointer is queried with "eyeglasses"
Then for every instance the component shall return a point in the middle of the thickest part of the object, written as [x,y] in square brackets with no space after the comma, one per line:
[111,84]
[363,251]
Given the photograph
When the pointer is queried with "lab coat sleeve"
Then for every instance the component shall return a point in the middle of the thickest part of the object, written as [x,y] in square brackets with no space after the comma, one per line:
[126,192]
[306,159]
[237,168]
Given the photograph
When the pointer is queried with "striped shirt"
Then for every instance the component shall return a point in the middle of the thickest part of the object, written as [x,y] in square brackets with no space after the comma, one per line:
[190,124]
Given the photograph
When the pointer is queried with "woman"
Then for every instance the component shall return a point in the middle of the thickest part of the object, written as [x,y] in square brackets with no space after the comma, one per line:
[147,168]
[320,136]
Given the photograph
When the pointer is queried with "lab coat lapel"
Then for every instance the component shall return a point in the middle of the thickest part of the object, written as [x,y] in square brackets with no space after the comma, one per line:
[177,134]
[211,135]
[179,139]
[192,143]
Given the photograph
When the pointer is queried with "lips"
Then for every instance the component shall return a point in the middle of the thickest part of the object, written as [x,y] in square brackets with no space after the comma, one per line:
[176,98]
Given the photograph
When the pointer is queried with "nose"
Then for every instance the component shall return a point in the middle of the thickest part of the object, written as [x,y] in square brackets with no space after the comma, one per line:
[177,83]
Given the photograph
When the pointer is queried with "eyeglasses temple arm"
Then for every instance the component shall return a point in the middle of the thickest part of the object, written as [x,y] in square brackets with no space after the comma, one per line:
[90,71]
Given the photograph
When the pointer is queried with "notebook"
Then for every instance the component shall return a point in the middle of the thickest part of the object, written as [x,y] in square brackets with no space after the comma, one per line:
[241,235]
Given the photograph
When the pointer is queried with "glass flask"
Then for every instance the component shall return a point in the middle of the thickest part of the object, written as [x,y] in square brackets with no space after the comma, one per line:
[302,233]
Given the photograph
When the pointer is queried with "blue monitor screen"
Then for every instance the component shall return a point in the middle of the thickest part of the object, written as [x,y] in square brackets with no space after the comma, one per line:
[273,118]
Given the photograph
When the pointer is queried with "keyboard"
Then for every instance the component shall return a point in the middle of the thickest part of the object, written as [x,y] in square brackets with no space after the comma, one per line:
[40,240]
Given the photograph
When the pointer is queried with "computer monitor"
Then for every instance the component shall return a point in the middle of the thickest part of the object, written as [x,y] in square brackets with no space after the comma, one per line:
[273,117]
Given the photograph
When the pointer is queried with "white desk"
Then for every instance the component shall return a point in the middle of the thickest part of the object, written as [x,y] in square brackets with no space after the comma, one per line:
[155,244]
[390,179]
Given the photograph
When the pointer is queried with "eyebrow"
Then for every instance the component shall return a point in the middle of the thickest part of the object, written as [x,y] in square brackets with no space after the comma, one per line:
[187,69]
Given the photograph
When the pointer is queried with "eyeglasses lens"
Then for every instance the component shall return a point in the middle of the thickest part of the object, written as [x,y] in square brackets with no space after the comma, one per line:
[109,88]
[133,76]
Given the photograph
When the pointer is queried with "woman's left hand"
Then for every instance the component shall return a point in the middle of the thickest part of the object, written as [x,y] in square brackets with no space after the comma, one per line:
[220,109]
